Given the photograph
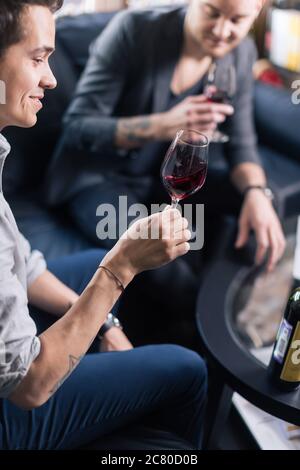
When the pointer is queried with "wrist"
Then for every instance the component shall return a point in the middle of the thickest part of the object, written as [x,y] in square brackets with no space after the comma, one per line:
[159,126]
[108,327]
[121,268]
[259,189]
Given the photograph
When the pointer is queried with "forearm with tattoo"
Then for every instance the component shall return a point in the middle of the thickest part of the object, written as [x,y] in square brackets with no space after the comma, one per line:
[73,362]
[136,131]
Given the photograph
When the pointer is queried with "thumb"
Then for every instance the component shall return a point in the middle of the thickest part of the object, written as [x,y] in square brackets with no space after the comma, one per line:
[168,208]
[243,235]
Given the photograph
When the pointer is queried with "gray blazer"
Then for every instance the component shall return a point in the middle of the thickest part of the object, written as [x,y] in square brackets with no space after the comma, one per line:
[131,65]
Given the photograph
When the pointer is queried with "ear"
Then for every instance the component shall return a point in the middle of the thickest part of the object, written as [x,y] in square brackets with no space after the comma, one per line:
[259,6]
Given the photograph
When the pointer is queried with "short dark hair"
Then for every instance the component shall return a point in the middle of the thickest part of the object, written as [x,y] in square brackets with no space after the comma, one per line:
[11,11]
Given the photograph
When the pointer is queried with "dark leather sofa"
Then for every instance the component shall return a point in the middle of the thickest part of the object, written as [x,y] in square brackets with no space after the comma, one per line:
[50,230]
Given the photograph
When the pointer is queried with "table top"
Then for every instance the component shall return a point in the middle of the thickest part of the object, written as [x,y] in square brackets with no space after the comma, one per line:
[226,350]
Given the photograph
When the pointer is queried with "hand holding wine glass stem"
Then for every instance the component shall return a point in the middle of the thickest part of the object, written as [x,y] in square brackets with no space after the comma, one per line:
[194,112]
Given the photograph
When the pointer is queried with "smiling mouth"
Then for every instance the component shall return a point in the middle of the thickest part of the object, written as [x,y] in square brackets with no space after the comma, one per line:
[37,100]
[217,43]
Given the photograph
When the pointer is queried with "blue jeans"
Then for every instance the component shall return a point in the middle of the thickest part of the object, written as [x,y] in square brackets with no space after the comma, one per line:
[162,387]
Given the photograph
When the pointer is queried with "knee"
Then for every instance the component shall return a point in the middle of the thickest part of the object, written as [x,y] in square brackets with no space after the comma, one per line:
[183,365]
[191,366]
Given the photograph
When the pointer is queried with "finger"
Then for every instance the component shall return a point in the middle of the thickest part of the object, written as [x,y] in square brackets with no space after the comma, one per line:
[207,118]
[169,215]
[180,224]
[281,241]
[196,99]
[282,245]
[182,237]
[274,252]
[262,245]
[278,239]
[181,250]
[173,213]
[209,107]
[243,234]
[170,219]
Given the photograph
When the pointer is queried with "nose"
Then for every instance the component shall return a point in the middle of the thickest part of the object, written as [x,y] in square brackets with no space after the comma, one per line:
[222,29]
[48,81]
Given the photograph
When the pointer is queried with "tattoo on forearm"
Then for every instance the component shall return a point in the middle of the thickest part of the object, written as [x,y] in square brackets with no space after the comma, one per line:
[73,362]
[131,128]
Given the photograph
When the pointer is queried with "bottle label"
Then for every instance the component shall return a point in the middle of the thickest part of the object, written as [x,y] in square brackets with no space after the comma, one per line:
[291,369]
[282,339]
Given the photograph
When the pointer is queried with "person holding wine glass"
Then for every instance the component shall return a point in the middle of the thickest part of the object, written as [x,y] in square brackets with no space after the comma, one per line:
[54,396]
[144,81]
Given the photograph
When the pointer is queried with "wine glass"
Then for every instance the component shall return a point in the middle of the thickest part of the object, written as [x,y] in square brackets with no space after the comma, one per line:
[220,88]
[184,168]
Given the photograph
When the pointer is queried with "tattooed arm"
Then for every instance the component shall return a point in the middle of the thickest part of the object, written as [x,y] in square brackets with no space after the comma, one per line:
[68,339]
[134,132]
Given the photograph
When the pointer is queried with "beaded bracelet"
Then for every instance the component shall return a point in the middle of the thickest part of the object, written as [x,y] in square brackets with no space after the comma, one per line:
[120,285]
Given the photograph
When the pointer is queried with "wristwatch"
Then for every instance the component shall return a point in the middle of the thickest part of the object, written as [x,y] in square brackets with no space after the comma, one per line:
[266,191]
[111,321]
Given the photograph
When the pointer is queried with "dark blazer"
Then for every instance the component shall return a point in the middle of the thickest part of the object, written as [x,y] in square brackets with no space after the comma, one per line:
[128,74]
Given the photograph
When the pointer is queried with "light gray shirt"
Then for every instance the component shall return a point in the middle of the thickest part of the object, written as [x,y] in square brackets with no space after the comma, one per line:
[19,268]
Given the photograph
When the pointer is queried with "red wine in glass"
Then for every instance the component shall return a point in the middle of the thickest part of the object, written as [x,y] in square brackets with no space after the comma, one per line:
[220,88]
[184,169]
[219,96]
[180,187]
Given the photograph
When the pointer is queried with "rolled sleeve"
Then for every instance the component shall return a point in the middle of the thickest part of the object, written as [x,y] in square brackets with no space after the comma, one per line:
[19,345]
[35,261]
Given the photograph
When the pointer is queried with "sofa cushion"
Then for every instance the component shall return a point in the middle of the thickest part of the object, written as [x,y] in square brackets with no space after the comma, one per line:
[277,119]
[83,30]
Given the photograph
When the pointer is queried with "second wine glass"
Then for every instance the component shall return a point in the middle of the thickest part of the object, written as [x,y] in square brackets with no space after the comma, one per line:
[220,88]
[184,169]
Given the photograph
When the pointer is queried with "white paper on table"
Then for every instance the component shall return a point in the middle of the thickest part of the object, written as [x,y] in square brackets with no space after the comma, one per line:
[269,432]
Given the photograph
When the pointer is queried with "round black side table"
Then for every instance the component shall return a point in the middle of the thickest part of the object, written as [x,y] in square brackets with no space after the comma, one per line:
[231,364]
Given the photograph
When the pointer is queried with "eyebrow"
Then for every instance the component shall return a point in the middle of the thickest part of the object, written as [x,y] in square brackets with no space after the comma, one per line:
[43,49]
[216,10]
[211,6]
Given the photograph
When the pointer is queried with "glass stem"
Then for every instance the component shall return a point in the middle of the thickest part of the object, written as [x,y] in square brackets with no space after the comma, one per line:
[175,203]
